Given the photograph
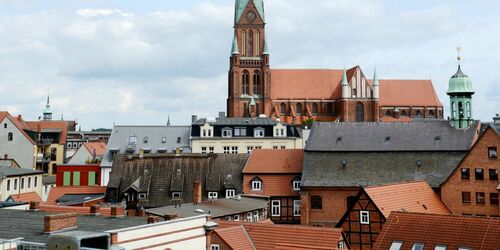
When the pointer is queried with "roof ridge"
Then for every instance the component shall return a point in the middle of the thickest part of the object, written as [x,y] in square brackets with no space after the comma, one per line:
[248,236]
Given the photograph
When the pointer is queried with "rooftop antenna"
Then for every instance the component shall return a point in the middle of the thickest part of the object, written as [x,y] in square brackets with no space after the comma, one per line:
[459,58]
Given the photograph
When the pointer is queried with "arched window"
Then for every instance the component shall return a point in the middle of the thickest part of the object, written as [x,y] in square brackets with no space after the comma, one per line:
[256,83]
[418,113]
[298,109]
[329,108]
[245,110]
[403,112]
[245,83]
[315,108]
[360,112]
[250,43]
[53,154]
[243,43]
[316,202]
[283,109]
[467,107]
[460,110]
[454,110]
[388,113]
[257,43]
[10,136]
[431,113]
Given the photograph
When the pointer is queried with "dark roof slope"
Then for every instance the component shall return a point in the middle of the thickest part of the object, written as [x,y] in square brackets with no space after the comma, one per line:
[431,230]
[4,171]
[390,136]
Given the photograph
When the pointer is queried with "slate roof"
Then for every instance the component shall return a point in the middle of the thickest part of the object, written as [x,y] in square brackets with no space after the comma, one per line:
[49,180]
[6,171]
[275,161]
[171,173]
[29,225]
[390,136]
[217,208]
[431,230]
[271,236]
[410,197]
[120,136]
[77,199]
[232,121]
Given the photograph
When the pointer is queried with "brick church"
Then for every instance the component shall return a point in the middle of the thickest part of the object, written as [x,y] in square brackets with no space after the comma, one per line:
[295,95]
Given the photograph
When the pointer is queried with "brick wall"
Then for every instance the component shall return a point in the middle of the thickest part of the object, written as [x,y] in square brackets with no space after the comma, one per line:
[57,222]
[217,240]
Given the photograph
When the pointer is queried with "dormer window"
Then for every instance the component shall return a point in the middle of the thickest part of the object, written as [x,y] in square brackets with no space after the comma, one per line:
[164,140]
[212,195]
[132,139]
[296,184]
[206,130]
[240,131]
[142,196]
[258,132]
[146,139]
[279,131]
[176,195]
[256,184]
[230,193]
[227,132]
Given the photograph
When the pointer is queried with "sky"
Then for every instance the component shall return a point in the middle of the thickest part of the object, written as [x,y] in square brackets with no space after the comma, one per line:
[140,62]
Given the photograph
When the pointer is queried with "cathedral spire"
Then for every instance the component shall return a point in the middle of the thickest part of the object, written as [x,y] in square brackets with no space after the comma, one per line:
[47,112]
[460,92]
[234,49]
[266,51]
[375,84]
[345,86]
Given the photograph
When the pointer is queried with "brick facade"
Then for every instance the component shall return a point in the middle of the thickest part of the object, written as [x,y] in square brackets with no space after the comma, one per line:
[477,158]
[215,239]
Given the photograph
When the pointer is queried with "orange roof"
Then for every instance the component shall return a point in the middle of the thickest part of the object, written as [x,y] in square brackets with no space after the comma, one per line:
[407,93]
[20,124]
[62,125]
[235,237]
[275,161]
[26,197]
[99,147]
[410,197]
[57,192]
[432,229]
[273,236]
[305,83]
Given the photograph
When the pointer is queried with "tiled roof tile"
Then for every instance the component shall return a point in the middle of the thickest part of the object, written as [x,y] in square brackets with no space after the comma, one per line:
[99,147]
[296,83]
[408,93]
[57,192]
[236,237]
[275,161]
[26,197]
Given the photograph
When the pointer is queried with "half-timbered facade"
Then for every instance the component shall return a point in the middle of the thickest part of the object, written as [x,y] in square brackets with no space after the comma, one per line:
[369,210]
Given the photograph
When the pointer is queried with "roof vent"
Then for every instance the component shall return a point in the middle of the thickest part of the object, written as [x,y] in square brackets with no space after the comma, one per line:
[437,138]
[344,163]
[262,116]
[199,210]
[425,207]
[339,139]
[419,163]
[387,138]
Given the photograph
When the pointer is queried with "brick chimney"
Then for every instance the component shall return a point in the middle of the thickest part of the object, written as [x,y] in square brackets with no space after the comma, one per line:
[58,222]
[117,211]
[95,210]
[34,206]
[169,216]
[153,219]
[196,192]
[20,118]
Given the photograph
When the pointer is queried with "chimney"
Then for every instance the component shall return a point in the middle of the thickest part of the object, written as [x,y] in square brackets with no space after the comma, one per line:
[194,118]
[95,210]
[196,192]
[141,212]
[34,206]
[58,222]
[178,151]
[222,114]
[169,216]
[20,118]
[117,211]
[153,219]
[496,119]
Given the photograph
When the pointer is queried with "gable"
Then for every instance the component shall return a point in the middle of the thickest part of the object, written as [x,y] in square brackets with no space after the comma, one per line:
[242,7]
[357,81]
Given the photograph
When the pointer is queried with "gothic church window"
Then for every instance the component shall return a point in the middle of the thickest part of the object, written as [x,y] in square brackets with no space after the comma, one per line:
[282,109]
[257,43]
[245,83]
[315,108]
[256,83]
[250,43]
[243,43]
[298,110]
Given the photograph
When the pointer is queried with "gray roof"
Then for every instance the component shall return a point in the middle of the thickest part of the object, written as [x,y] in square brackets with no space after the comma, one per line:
[390,136]
[5,171]
[496,127]
[48,180]
[216,209]
[29,225]
[120,136]
[75,199]
[171,173]
[231,121]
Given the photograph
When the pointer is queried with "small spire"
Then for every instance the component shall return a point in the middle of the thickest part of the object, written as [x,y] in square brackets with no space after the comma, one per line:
[48,101]
[234,49]
[168,121]
[252,101]
[266,51]
[344,78]
[375,78]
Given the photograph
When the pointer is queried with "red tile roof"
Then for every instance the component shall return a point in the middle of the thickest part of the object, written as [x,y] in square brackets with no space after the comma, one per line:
[60,125]
[20,124]
[235,237]
[306,83]
[407,93]
[415,196]
[57,192]
[275,161]
[431,229]
[26,197]
[272,236]
[99,147]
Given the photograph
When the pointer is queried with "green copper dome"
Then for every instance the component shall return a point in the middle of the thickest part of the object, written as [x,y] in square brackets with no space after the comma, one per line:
[460,83]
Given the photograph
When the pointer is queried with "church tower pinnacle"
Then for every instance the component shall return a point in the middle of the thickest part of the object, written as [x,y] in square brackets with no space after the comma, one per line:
[460,92]
[47,112]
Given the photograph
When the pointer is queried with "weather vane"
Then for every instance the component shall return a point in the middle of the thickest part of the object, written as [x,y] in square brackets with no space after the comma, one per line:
[459,58]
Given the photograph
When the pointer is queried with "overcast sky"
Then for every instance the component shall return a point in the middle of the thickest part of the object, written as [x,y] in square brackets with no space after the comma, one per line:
[137,62]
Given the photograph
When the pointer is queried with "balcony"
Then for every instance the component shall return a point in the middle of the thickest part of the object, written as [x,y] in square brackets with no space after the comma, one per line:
[43,158]
[44,142]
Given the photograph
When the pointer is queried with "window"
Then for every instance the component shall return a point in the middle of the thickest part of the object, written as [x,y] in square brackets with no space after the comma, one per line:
[236,217]
[329,108]
[203,150]
[431,113]
[256,216]
[479,174]
[164,140]
[283,147]
[296,185]
[494,198]
[256,184]
[10,136]
[314,108]
[480,198]
[211,150]
[364,217]
[178,140]
[316,202]
[418,246]
[132,139]
[256,83]
[234,150]
[464,248]
[29,182]
[22,184]
[296,207]
[8,185]
[243,47]
[275,147]
[76,178]
[275,208]
[283,109]
[146,139]
[214,247]
[440,247]
[227,218]
[240,131]
[258,147]
[176,195]
[5,125]
[466,197]
[230,193]
[227,132]
[227,150]
[142,196]
[53,154]
[249,149]
[298,109]
[15,184]
[245,83]
[250,43]
[258,132]
[35,184]
[249,216]
[69,144]
[465,174]
[492,152]
[493,174]
[418,113]
[212,195]
[396,245]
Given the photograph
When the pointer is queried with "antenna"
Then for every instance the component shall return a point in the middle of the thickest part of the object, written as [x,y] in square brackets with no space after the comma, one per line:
[459,58]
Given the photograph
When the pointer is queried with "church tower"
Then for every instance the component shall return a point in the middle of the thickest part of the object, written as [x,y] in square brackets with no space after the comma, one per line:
[460,92]
[47,112]
[248,92]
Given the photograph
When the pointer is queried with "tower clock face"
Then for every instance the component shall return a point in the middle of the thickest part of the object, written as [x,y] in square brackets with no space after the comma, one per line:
[251,16]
